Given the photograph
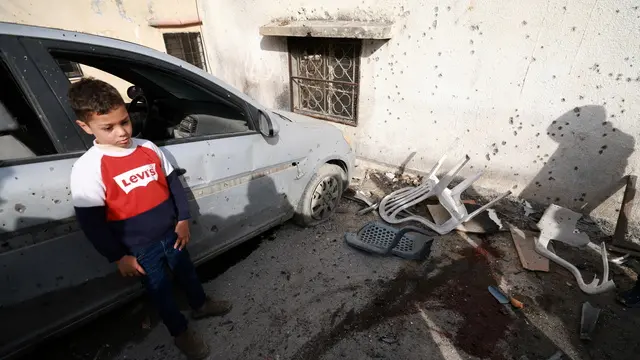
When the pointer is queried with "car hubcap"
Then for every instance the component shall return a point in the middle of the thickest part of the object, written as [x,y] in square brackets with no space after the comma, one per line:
[325,198]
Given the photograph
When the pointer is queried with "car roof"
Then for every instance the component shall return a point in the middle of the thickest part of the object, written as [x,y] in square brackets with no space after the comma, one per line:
[12,29]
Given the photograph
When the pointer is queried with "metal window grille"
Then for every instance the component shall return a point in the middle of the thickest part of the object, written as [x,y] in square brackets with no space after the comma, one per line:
[324,77]
[70,68]
[186,46]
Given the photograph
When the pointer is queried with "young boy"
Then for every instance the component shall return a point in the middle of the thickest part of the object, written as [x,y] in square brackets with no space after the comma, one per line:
[131,205]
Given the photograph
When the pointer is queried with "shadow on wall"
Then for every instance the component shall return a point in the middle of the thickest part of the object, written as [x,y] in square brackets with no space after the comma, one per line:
[279,44]
[254,81]
[370,47]
[588,165]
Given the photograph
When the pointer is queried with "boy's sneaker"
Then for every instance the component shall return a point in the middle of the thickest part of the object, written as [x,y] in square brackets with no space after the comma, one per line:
[192,345]
[212,308]
[630,298]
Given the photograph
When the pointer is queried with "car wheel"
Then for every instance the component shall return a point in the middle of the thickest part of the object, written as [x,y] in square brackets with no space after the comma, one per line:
[322,196]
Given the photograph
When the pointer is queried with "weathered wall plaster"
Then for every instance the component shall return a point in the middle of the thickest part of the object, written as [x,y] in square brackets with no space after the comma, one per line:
[121,19]
[543,95]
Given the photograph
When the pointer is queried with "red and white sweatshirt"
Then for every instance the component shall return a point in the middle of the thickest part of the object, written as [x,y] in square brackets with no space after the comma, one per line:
[126,197]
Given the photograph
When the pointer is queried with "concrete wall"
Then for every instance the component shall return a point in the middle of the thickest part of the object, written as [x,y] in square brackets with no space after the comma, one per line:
[543,95]
[122,19]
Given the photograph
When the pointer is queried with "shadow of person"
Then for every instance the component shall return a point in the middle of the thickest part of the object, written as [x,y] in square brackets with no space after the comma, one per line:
[588,165]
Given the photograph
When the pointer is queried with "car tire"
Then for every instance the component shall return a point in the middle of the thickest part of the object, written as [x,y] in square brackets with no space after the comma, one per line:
[322,196]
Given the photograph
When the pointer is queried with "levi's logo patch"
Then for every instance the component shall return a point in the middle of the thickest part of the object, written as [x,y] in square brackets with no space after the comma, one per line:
[137,177]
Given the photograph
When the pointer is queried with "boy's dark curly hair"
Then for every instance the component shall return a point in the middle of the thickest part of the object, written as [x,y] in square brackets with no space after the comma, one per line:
[91,95]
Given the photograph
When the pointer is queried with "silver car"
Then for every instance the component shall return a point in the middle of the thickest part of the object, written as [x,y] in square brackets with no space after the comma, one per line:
[246,169]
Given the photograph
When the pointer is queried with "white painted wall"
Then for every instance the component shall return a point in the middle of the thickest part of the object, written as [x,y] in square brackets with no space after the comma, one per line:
[503,76]
[488,72]
[122,19]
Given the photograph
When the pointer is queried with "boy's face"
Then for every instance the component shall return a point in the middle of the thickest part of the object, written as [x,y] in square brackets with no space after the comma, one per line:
[113,128]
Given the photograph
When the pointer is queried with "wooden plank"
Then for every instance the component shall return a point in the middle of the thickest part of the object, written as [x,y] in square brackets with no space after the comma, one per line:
[620,250]
[628,200]
[524,242]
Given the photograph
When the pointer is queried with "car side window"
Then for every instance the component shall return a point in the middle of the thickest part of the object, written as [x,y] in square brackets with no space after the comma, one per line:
[22,135]
[165,107]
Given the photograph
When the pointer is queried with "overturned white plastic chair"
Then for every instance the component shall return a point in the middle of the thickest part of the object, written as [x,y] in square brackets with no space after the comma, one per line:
[393,208]
[559,224]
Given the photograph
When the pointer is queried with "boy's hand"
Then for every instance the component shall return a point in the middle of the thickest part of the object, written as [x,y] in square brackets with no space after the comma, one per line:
[128,266]
[182,229]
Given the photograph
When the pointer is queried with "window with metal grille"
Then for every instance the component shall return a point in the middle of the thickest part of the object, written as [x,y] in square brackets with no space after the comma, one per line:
[325,77]
[186,46]
[70,68]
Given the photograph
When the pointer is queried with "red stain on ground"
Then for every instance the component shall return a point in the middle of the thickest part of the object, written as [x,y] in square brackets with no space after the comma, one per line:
[484,320]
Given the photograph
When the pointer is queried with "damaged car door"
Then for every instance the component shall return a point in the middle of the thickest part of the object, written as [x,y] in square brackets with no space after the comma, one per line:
[236,189]
[44,258]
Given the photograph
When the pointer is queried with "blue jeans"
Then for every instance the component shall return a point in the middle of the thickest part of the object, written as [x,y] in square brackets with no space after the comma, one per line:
[155,259]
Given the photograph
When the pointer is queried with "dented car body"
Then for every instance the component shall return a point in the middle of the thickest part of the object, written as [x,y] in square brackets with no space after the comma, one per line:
[246,169]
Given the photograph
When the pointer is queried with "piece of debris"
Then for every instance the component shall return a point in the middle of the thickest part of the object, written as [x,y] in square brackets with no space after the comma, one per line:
[559,223]
[493,215]
[620,260]
[502,298]
[378,238]
[516,303]
[528,210]
[588,320]
[389,339]
[481,224]
[394,205]
[556,356]
[360,197]
[524,242]
[367,199]
[391,176]
[628,201]
[620,250]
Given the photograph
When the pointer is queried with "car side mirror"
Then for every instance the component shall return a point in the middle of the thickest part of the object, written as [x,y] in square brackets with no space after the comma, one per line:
[267,127]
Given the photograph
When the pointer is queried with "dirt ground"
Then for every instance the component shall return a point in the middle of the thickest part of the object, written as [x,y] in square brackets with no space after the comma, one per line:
[304,294]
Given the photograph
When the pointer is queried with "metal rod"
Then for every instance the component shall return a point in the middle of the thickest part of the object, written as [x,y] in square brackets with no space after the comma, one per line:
[625,210]
[291,107]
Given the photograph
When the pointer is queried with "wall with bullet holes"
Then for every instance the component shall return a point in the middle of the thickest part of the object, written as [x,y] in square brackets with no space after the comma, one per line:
[543,95]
